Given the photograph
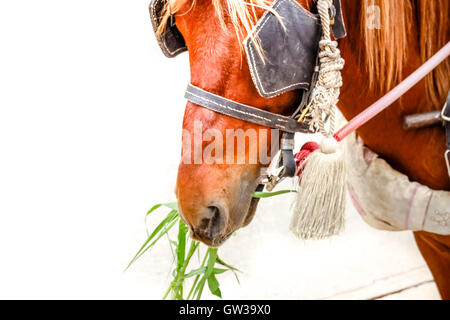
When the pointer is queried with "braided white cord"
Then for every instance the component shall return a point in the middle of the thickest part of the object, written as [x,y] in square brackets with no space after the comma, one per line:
[325,95]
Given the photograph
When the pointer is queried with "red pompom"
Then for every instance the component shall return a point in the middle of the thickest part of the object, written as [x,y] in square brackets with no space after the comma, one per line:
[304,152]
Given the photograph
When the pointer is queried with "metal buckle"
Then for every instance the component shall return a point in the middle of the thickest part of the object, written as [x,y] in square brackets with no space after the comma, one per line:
[273,173]
[171,21]
[447,160]
[443,116]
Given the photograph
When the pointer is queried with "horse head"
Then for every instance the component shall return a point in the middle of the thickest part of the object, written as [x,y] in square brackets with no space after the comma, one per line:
[215,197]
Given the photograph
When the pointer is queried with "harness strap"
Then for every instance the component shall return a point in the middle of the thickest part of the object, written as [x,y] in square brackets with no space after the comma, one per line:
[446,118]
[244,112]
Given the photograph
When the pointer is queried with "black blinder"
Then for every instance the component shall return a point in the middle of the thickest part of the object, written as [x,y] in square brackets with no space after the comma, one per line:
[289,47]
[171,40]
[289,50]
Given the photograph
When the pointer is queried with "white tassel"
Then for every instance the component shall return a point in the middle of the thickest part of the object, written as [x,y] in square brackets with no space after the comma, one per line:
[320,206]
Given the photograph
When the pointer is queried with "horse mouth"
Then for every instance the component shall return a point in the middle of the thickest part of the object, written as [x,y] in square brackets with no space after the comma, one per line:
[214,243]
[253,205]
[217,242]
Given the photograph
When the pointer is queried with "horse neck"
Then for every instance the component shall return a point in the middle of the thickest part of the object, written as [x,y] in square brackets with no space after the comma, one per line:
[418,154]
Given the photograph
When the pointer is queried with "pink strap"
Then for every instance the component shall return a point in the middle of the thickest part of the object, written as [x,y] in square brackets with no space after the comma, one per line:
[394,94]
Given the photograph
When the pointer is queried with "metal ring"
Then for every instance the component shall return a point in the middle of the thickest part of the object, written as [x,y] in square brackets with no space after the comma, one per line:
[443,116]
[447,160]
[287,144]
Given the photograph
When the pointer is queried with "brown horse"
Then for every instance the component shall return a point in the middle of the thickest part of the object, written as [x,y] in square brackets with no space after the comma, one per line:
[219,196]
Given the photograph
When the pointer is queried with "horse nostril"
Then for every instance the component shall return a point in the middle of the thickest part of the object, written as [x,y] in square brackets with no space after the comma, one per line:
[216,223]
[213,224]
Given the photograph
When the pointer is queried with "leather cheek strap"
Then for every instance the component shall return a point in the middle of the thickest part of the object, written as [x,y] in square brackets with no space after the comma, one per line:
[244,112]
[446,117]
[338,27]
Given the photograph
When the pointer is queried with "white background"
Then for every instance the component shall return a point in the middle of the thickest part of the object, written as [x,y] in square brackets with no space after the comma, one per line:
[90,132]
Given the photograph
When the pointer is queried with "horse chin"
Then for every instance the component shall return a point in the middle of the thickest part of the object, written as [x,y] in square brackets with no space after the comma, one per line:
[252,208]
[218,241]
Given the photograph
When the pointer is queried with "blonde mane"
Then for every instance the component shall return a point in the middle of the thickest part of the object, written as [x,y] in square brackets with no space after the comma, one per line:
[384,50]
[242,14]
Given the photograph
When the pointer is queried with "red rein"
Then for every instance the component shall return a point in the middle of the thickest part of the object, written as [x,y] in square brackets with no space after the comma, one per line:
[378,106]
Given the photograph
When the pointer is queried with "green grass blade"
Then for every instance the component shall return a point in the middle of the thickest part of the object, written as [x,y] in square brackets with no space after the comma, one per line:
[148,213]
[166,229]
[172,213]
[171,205]
[199,289]
[194,285]
[213,286]
[156,206]
[181,248]
[233,269]
[170,217]
[195,272]
[218,293]
[219,270]
[172,244]
[211,261]
[223,263]
[236,276]
[271,194]
[163,232]
[207,271]
[167,293]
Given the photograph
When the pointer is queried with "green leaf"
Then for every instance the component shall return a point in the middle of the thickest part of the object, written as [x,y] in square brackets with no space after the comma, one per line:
[211,261]
[166,227]
[223,263]
[194,285]
[206,272]
[171,205]
[154,208]
[219,270]
[172,244]
[163,232]
[199,288]
[218,293]
[213,285]
[271,194]
[233,269]
[237,278]
[181,248]
[171,214]
[161,227]
[195,272]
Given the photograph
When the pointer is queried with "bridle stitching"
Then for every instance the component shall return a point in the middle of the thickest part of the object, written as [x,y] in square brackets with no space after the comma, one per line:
[227,107]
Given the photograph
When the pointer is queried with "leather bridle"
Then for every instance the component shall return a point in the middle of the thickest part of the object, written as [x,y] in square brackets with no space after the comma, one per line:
[445,115]
[297,48]
[244,112]
[270,83]
[287,125]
